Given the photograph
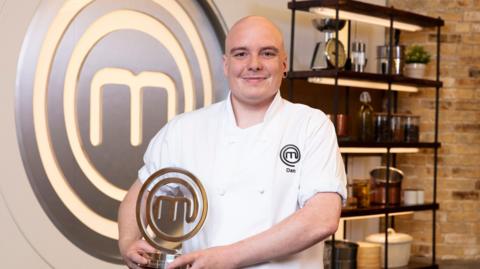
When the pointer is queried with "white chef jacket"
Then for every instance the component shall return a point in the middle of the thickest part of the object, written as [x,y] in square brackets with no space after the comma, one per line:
[251,183]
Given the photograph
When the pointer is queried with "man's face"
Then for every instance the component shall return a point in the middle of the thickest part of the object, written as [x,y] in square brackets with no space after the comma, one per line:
[254,61]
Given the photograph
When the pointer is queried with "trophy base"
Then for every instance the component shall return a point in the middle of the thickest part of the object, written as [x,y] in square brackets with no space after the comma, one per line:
[161,260]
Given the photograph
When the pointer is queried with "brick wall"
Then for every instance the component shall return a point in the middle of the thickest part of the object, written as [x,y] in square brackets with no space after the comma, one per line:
[458,220]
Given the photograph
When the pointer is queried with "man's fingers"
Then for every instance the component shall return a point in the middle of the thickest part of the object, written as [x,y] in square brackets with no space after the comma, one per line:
[139,252]
[183,260]
[146,247]
[137,258]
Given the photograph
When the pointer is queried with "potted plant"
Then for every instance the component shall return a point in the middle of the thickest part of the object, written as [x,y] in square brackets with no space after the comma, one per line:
[416,59]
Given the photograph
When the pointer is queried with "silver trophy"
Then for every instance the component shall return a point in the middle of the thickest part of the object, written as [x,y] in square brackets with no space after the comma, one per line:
[171,208]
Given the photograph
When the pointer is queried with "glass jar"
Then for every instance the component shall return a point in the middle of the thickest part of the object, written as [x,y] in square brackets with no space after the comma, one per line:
[382,130]
[411,128]
[397,128]
[352,201]
[361,191]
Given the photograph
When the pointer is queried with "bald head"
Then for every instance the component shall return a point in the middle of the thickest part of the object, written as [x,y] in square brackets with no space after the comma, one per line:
[254,24]
[254,62]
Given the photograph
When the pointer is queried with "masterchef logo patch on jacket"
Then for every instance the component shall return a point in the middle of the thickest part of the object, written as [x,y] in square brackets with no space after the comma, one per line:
[290,155]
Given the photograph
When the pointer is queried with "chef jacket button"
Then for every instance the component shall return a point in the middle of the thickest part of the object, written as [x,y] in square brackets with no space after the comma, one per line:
[261,191]
[221,192]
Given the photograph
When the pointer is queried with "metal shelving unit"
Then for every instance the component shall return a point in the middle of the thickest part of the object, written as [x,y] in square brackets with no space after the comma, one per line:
[390,18]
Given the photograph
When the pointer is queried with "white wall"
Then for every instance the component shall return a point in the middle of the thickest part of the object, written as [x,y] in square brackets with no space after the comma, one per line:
[15,248]
[28,238]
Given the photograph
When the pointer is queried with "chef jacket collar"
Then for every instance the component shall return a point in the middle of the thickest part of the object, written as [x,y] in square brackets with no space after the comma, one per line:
[233,130]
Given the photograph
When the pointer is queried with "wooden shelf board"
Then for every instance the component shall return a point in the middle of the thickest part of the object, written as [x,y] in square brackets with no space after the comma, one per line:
[382,209]
[370,10]
[357,144]
[363,76]
[420,263]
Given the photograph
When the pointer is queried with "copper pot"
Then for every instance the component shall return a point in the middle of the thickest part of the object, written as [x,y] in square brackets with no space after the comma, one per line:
[341,127]
[379,185]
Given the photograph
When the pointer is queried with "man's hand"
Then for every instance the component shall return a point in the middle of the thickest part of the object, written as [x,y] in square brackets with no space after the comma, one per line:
[211,258]
[136,255]
[134,250]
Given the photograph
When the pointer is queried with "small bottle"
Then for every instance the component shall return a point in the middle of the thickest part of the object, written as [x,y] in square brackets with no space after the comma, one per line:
[359,59]
[365,118]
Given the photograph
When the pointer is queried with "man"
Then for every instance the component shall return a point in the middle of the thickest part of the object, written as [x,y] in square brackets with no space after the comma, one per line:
[267,206]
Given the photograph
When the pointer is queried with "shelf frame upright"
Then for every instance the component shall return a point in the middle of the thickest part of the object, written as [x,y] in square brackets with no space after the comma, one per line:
[292,49]
[435,150]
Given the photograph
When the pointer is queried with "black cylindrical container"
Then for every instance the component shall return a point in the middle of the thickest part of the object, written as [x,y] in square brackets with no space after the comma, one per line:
[345,255]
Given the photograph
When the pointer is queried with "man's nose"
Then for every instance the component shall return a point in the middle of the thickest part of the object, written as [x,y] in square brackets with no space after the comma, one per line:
[255,63]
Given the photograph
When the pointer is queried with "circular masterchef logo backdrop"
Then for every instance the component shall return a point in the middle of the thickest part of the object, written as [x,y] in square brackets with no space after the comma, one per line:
[96,81]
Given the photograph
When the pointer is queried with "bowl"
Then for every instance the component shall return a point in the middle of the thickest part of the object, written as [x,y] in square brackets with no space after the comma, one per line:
[327,24]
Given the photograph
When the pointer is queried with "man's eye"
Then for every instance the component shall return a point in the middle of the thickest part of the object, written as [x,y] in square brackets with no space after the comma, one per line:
[239,54]
[269,54]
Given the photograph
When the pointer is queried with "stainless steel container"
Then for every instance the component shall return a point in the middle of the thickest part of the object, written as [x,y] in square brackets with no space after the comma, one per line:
[379,185]
[345,255]
[383,54]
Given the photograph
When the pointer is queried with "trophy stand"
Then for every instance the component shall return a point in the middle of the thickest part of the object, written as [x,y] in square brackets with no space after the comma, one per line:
[161,260]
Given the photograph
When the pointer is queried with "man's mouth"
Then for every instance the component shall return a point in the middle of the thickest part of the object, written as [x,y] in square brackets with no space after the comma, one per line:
[254,78]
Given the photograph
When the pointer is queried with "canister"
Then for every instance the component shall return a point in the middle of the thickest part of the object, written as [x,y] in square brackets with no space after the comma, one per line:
[383,56]
[410,196]
[345,255]
[379,185]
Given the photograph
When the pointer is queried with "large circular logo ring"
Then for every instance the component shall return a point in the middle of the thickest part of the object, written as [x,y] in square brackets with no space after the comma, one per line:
[147,198]
[290,155]
[96,80]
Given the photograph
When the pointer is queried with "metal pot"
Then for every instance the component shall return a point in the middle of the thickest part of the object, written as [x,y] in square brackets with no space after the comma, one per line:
[345,255]
[379,185]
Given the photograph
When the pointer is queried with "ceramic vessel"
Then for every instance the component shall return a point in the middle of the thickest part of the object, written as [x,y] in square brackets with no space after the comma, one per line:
[415,70]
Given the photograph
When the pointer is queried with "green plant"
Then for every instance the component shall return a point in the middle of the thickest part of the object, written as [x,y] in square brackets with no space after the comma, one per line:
[417,54]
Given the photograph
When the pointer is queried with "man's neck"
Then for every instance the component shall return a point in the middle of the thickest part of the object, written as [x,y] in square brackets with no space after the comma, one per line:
[247,115]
